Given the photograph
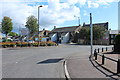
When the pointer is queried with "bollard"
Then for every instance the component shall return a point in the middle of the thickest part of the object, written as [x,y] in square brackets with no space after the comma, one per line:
[106,48]
[118,66]
[98,50]
[94,52]
[102,49]
[112,48]
[95,55]
[103,59]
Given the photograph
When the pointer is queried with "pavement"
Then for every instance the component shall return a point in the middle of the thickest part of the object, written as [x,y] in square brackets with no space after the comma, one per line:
[81,66]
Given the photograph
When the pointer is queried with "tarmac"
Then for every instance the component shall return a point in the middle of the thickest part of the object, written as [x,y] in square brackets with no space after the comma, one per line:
[84,67]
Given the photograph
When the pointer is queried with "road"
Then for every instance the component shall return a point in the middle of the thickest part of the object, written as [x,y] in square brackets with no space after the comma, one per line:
[38,62]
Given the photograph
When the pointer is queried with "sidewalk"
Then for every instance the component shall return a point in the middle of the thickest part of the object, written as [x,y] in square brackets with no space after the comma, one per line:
[80,66]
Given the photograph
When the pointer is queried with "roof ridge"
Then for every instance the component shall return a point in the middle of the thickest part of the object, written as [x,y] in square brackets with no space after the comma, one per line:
[97,23]
[67,27]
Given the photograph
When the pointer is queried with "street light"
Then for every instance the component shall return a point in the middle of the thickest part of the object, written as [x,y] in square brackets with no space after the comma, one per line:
[78,20]
[38,24]
[91,33]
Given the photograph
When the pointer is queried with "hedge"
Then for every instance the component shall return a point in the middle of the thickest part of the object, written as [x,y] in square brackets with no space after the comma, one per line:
[25,44]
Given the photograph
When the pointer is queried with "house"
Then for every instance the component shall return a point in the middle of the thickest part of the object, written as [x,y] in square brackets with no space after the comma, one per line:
[112,35]
[64,34]
[43,34]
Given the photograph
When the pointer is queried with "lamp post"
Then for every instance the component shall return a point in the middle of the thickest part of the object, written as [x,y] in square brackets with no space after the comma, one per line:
[78,20]
[91,33]
[38,25]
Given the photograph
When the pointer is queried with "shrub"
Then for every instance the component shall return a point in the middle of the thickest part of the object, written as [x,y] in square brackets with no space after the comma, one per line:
[25,44]
[8,40]
[18,44]
[35,44]
[43,44]
[50,43]
[117,40]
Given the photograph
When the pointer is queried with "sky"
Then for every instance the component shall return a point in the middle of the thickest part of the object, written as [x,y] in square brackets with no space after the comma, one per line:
[60,13]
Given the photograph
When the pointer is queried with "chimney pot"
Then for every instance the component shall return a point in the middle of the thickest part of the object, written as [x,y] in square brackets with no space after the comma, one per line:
[54,27]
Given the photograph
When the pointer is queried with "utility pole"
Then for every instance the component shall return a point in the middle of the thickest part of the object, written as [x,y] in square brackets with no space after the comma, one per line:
[91,33]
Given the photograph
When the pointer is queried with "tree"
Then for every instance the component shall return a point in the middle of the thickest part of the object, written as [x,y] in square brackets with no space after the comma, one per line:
[85,34]
[6,25]
[98,33]
[117,44]
[12,34]
[32,25]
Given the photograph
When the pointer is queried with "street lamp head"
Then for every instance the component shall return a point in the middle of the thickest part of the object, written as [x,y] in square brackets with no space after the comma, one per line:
[40,6]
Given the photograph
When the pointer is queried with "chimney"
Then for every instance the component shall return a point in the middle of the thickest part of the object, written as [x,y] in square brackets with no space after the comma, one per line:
[43,29]
[54,27]
[84,24]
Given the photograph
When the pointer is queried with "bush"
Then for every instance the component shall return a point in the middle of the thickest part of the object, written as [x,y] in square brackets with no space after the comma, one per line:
[35,44]
[4,46]
[12,45]
[18,44]
[25,44]
[43,44]
[117,44]
[50,43]
[117,40]
[8,40]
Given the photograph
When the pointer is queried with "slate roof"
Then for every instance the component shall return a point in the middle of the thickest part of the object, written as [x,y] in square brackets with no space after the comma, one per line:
[65,29]
[100,24]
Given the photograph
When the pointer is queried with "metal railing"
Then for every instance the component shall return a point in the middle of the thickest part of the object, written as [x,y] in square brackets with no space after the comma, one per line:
[97,53]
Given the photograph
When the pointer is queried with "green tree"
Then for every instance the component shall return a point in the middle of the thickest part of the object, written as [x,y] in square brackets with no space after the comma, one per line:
[98,33]
[12,34]
[32,25]
[85,34]
[6,25]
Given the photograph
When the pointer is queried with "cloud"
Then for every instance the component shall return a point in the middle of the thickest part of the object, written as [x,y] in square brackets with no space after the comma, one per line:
[85,13]
[57,13]
[82,2]
[92,4]
[97,3]
[54,13]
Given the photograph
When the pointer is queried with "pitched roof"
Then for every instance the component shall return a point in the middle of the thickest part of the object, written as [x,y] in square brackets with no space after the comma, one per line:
[65,29]
[98,24]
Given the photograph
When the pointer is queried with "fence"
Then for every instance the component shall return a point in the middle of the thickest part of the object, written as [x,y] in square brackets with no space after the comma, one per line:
[97,53]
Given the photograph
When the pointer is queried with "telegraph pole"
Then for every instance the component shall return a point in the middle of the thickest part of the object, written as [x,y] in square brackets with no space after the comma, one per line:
[91,33]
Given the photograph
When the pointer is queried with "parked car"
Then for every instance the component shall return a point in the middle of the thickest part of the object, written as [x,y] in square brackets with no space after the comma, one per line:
[31,41]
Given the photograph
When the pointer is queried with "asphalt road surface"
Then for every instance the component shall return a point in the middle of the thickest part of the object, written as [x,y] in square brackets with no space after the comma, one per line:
[38,62]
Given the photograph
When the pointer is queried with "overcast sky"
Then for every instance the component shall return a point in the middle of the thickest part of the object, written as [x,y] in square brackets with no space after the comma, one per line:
[60,13]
